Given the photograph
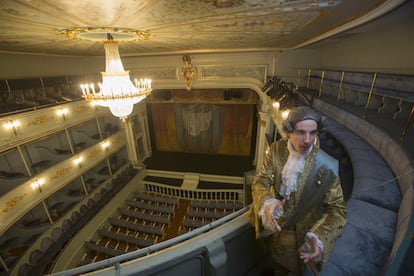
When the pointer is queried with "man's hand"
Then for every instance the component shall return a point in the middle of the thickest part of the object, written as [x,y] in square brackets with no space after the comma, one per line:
[270,214]
[310,251]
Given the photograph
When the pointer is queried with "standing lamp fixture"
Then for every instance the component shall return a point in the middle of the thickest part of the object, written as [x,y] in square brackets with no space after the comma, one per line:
[116,90]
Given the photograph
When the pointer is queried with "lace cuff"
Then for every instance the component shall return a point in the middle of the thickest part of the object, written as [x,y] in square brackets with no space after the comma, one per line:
[277,213]
[319,243]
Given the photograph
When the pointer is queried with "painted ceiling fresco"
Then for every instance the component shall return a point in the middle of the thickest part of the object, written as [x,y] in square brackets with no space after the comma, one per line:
[178,26]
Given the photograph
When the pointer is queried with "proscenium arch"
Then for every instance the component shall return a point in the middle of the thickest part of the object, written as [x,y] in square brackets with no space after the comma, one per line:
[264,107]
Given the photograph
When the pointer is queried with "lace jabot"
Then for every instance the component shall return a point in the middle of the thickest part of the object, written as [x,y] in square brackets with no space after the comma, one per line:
[294,166]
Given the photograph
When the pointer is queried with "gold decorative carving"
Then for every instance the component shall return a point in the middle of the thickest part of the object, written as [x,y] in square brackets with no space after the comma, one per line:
[81,108]
[12,203]
[60,172]
[41,120]
[100,33]
[93,153]
[188,71]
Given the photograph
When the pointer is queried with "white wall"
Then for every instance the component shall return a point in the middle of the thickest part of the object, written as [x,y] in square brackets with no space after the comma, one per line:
[385,45]
[289,62]
[16,66]
[31,66]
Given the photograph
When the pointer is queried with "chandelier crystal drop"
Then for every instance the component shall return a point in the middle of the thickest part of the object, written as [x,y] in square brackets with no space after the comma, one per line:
[116,90]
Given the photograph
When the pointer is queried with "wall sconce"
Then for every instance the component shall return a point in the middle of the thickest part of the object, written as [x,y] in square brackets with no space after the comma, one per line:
[13,126]
[78,161]
[105,145]
[188,71]
[62,112]
[285,114]
[276,106]
[37,184]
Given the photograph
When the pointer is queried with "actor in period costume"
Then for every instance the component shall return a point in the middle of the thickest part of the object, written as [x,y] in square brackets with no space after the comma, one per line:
[297,196]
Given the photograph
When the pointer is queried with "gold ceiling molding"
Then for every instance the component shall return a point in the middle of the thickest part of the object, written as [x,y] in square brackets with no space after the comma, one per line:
[101,33]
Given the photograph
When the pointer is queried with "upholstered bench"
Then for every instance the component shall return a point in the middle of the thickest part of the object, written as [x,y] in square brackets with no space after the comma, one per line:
[376,239]
[367,238]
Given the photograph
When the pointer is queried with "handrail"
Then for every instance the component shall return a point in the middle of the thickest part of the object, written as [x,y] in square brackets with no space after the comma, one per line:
[34,108]
[381,85]
[115,261]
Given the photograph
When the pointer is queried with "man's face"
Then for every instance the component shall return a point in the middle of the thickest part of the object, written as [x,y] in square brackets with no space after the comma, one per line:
[303,136]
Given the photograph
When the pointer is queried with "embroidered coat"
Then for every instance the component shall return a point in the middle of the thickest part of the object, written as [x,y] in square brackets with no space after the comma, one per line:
[318,186]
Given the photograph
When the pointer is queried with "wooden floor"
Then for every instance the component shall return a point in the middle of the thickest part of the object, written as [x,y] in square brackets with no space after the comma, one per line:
[177,220]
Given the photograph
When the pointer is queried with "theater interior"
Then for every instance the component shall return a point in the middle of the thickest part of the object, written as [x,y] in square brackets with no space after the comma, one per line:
[131,131]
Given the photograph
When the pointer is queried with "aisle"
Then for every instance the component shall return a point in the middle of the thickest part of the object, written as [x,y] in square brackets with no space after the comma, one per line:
[177,220]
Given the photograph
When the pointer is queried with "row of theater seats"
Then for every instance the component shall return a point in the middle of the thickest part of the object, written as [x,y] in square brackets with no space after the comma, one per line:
[145,218]
[35,98]
[40,258]
[140,223]
[202,212]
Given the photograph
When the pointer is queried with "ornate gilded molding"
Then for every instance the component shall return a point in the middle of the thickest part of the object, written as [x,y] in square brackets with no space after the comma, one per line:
[41,120]
[60,172]
[188,71]
[100,33]
[81,108]
[94,153]
[233,71]
[12,203]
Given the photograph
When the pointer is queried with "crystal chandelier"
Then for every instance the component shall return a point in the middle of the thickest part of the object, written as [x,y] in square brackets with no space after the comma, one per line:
[116,90]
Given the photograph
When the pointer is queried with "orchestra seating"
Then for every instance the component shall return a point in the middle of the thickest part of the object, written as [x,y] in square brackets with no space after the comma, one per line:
[144,219]
[203,211]
[140,223]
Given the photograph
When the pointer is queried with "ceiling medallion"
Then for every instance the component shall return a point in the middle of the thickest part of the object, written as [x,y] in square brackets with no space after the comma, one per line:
[100,33]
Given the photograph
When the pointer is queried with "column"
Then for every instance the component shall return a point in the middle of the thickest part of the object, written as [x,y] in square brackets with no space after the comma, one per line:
[131,144]
[261,143]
